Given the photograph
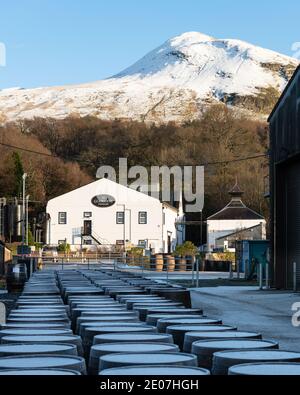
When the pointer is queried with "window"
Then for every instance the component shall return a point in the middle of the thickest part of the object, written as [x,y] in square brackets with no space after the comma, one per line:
[87,214]
[120,218]
[142,243]
[62,218]
[143,218]
[88,242]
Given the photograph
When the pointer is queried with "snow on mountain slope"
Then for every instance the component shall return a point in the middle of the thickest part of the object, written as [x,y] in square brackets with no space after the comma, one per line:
[175,82]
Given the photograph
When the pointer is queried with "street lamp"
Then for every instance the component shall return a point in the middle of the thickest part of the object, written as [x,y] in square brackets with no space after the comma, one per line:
[26,216]
[24,208]
[201,231]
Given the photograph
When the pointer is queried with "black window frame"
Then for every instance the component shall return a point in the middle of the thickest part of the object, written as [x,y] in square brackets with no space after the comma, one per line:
[60,222]
[145,214]
[118,221]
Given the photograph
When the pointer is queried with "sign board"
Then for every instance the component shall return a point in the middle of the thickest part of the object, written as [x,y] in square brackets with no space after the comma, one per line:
[103,201]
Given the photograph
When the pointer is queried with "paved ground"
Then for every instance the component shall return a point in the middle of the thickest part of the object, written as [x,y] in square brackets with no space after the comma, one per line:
[267,312]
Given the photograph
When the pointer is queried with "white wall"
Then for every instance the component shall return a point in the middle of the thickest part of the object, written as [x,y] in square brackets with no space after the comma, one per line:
[104,224]
[217,229]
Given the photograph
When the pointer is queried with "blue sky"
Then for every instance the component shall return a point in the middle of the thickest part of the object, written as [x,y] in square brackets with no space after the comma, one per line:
[54,42]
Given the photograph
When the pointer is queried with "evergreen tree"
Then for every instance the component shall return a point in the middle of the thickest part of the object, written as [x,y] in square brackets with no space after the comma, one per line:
[18,173]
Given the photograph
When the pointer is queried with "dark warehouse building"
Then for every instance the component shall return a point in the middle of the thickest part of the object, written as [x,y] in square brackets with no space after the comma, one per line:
[285,187]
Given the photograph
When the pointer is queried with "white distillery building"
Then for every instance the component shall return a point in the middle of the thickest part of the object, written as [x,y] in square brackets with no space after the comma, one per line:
[107,213]
[234,222]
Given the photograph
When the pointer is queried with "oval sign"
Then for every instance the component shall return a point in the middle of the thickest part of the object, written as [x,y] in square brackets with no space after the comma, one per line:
[103,201]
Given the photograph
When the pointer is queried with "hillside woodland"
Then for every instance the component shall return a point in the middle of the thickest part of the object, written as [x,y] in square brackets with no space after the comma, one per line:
[74,148]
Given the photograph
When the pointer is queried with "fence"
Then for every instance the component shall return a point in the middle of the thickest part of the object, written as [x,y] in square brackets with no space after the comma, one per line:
[162,266]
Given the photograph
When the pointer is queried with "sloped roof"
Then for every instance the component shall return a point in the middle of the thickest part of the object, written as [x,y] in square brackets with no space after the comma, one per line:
[239,231]
[236,209]
[235,213]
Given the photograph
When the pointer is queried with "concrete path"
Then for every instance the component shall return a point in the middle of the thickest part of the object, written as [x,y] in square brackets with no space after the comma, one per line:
[248,308]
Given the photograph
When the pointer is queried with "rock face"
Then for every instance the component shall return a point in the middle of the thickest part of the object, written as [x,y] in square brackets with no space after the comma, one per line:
[175,82]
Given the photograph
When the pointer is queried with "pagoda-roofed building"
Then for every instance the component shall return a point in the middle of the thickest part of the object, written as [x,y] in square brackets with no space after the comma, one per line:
[234,222]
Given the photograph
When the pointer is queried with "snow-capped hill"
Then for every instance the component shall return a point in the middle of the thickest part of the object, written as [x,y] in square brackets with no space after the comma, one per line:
[175,82]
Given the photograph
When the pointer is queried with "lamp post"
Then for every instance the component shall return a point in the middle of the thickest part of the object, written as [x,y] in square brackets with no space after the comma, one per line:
[24,208]
[201,230]
[26,222]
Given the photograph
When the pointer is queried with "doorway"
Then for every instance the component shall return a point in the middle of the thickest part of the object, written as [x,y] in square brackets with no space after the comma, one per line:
[87,228]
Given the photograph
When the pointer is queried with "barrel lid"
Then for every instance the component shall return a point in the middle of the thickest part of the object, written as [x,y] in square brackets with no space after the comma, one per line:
[120,337]
[33,332]
[155,371]
[38,317]
[39,338]
[194,330]
[170,316]
[148,358]
[33,325]
[190,322]
[118,328]
[266,369]
[234,344]
[91,318]
[33,348]
[38,311]
[171,310]
[258,355]
[41,361]
[39,372]
[223,335]
[135,347]
[109,318]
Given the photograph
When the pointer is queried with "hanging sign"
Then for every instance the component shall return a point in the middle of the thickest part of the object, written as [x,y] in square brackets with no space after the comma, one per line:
[103,201]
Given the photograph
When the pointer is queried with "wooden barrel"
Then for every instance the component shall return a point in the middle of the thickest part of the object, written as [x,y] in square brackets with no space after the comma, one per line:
[79,312]
[106,320]
[164,323]
[205,349]
[153,319]
[224,360]
[174,311]
[181,264]
[95,318]
[143,308]
[159,262]
[123,299]
[16,277]
[46,339]
[176,295]
[191,337]
[99,350]
[154,371]
[130,291]
[91,332]
[170,263]
[178,331]
[44,361]
[131,302]
[117,360]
